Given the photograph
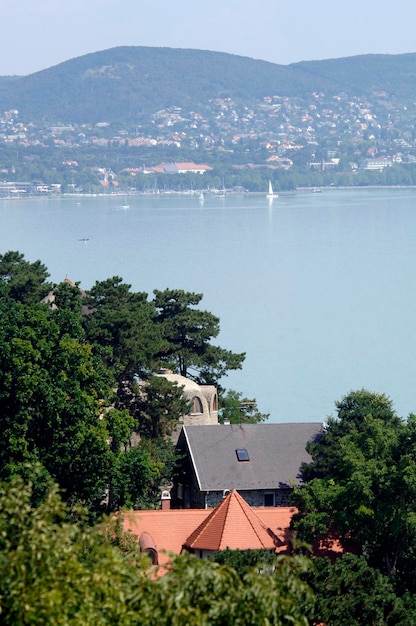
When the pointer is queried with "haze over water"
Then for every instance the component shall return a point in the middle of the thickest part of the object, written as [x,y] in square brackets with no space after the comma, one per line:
[317,289]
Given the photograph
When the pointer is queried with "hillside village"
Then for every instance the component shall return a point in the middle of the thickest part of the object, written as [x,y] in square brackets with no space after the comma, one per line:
[318,133]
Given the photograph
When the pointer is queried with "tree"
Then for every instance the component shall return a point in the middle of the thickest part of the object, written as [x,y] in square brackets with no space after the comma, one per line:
[121,323]
[244,560]
[237,410]
[160,405]
[25,282]
[51,395]
[350,593]
[55,571]
[134,479]
[362,483]
[203,592]
[187,333]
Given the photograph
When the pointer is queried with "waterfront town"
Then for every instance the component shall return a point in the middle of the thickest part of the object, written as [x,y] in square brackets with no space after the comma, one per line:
[318,134]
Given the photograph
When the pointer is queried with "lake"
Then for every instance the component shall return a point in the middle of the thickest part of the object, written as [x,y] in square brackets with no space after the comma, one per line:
[317,288]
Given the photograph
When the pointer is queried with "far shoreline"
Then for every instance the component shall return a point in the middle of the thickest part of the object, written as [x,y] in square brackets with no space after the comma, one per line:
[192,192]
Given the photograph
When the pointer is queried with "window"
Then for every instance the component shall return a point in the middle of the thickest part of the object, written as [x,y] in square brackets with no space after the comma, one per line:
[242,454]
[215,403]
[268,498]
[196,405]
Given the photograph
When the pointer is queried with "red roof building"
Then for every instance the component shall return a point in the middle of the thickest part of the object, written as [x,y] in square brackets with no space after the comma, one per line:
[232,524]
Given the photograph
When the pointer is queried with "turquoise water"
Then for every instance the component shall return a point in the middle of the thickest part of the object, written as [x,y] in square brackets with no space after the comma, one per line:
[317,289]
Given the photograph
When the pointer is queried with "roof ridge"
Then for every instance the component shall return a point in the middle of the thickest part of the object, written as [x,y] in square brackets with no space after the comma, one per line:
[252,515]
[226,505]
[211,533]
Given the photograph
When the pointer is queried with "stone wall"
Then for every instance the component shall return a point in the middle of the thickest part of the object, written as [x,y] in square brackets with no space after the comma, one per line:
[253,498]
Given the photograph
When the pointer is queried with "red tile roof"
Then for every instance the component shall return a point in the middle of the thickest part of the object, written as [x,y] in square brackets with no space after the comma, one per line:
[168,529]
[232,524]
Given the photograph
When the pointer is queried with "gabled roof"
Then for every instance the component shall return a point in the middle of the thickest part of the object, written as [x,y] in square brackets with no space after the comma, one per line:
[275,451]
[232,524]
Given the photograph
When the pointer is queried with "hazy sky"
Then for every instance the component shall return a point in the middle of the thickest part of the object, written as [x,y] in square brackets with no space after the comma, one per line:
[37,34]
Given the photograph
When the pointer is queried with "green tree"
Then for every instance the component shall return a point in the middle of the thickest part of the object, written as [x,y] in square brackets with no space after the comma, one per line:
[51,391]
[53,571]
[188,332]
[121,323]
[24,281]
[68,303]
[237,409]
[362,483]
[135,479]
[160,405]
[350,593]
[243,560]
[203,592]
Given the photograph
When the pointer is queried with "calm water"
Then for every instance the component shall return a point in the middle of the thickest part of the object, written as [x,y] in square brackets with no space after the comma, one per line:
[318,289]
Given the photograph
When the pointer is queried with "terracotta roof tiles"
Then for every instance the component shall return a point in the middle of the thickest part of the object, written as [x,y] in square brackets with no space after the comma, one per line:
[232,524]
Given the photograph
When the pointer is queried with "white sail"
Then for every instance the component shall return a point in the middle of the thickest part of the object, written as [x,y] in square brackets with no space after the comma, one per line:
[271,193]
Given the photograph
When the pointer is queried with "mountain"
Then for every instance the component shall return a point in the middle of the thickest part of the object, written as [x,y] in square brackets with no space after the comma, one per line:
[127,83]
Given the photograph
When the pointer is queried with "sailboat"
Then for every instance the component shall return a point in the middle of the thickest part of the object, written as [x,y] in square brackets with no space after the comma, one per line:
[271,193]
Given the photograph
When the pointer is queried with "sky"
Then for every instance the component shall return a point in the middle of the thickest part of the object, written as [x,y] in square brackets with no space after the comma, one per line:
[38,34]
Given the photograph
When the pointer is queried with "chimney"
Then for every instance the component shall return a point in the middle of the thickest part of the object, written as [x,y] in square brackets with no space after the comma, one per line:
[165,497]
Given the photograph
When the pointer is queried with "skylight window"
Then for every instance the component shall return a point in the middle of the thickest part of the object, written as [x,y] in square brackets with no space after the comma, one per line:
[242,454]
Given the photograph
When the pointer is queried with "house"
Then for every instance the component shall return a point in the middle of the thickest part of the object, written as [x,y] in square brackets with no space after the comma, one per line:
[232,524]
[261,461]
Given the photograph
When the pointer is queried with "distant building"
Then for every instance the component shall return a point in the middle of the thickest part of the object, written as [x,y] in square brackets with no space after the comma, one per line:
[179,168]
[202,399]
[377,164]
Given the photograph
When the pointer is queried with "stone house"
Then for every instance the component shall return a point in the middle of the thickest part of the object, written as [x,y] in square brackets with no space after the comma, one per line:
[261,461]
[202,399]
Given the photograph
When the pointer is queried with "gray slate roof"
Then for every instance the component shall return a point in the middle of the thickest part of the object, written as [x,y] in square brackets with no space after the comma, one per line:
[276,452]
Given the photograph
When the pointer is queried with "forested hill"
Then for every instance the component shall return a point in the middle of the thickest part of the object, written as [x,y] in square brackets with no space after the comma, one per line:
[127,83]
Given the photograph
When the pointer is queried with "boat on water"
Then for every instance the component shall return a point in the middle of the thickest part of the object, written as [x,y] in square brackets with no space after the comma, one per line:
[271,194]
[201,196]
[84,239]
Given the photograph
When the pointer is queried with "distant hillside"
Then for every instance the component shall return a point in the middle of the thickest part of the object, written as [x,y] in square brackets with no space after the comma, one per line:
[127,83]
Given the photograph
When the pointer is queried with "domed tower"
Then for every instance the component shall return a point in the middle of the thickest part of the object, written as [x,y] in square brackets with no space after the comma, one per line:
[203,400]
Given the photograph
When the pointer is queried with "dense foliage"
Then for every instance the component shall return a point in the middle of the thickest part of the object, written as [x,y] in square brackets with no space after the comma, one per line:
[127,82]
[79,390]
[351,593]
[243,560]
[361,485]
[55,571]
